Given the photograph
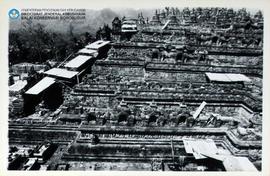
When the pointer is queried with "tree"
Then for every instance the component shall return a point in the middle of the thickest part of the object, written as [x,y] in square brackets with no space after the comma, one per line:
[88,38]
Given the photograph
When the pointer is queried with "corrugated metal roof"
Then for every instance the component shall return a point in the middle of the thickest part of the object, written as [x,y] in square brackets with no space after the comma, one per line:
[227,77]
[166,24]
[198,147]
[199,110]
[63,73]
[88,51]
[238,164]
[202,149]
[238,77]
[98,44]
[218,77]
[19,85]
[41,86]
[77,61]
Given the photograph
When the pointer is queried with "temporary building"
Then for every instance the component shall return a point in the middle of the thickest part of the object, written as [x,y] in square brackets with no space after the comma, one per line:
[41,86]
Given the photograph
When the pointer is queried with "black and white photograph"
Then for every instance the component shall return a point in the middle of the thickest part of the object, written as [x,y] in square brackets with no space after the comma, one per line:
[161,89]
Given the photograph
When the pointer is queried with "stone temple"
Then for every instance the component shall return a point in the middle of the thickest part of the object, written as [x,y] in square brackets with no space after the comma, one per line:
[181,91]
